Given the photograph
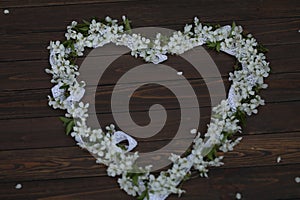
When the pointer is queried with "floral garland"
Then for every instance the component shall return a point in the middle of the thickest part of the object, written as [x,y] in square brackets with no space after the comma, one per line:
[226,120]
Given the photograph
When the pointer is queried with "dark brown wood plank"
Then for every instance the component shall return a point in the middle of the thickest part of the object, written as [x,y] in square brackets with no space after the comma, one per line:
[27,132]
[265,148]
[39,3]
[265,183]
[11,73]
[35,164]
[267,31]
[283,58]
[74,188]
[279,90]
[23,20]
[31,74]
[49,131]
[67,162]
[35,151]
[272,118]
[31,133]
[33,103]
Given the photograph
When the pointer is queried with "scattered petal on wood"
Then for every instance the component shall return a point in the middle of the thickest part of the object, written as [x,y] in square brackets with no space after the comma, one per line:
[18,186]
[193,131]
[238,196]
[278,159]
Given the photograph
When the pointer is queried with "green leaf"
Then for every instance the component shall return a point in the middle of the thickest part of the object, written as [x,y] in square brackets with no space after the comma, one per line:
[69,123]
[214,45]
[64,87]
[188,152]
[241,116]
[206,150]
[67,93]
[212,154]
[237,65]
[127,25]
[211,45]
[84,29]
[226,135]
[68,43]
[187,177]
[218,46]
[216,26]
[262,49]
[130,175]
[80,25]
[143,195]
[65,120]
[122,146]
[135,180]
[86,22]
[233,26]
[69,127]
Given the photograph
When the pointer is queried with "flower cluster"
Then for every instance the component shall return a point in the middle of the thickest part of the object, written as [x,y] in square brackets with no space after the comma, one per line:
[226,120]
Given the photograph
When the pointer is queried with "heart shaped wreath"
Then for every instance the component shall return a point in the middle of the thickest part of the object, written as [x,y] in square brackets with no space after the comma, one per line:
[227,117]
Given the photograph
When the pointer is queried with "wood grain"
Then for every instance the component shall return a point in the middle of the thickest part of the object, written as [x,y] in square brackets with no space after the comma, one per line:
[31,132]
[267,31]
[24,20]
[39,3]
[14,77]
[35,152]
[251,182]
[67,162]
[32,103]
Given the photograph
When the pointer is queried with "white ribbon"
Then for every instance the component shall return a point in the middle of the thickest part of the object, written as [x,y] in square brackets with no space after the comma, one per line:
[78,95]
[251,80]
[227,28]
[120,136]
[51,58]
[79,139]
[159,58]
[156,197]
[232,99]
[229,51]
[57,92]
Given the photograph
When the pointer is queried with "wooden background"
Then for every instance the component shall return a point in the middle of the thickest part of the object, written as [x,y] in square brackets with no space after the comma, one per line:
[35,152]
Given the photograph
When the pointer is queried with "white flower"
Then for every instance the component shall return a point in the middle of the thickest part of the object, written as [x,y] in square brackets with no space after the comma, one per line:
[67,93]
